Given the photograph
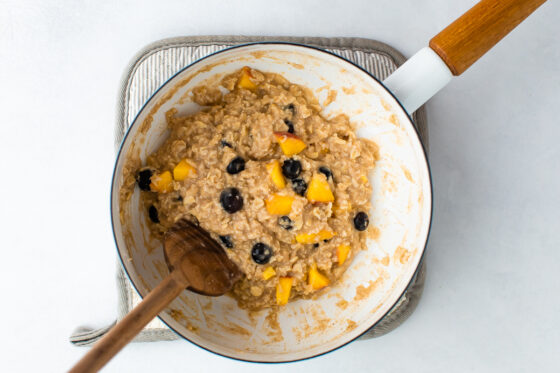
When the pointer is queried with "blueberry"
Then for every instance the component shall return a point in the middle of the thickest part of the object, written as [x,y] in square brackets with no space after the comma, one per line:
[231,200]
[299,186]
[261,253]
[325,171]
[153,214]
[291,168]
[361,221]
[291,108]
[224,143]
[226,240]
[285,222]
[290,125]
[236,165]
[143,179]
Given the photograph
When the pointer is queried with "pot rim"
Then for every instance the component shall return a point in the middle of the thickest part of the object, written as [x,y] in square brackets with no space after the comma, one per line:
[299,45]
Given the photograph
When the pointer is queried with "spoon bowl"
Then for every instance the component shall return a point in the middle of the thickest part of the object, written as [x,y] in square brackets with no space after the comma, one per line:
[202,260]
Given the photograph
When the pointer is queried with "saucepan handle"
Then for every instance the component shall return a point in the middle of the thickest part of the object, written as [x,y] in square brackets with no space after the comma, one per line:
[126,329]
[456,48]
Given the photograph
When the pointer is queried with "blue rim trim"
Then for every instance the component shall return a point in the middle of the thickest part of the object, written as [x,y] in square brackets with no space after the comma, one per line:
[331,54]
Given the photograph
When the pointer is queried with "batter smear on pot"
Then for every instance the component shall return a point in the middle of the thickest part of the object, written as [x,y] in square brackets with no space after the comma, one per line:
[282,188]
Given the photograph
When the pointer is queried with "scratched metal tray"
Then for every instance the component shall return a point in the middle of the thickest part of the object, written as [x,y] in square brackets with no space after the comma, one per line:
[157,62]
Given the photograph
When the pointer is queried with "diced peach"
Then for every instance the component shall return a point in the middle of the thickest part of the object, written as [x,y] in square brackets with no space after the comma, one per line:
[283,290]
[364,179]
[268,273]
[326,235]
[183,170]
[307,238]
[319,189]
[289,143]
[342,252]
[162,183]
[275,171]
[245,79]
[279,205]
[316,279]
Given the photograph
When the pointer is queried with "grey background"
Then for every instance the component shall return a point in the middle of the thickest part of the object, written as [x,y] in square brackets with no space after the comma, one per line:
[491,298]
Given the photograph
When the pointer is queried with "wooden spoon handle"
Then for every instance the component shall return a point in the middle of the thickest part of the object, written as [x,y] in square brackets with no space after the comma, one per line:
[468,38]
[124,331]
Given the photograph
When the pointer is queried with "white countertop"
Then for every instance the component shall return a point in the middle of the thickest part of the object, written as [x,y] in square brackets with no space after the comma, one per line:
[491,298]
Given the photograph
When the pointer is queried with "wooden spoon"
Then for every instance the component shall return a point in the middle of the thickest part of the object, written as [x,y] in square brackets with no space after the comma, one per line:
[196,262]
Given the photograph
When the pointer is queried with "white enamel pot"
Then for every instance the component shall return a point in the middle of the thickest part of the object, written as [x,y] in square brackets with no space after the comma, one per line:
[401,200]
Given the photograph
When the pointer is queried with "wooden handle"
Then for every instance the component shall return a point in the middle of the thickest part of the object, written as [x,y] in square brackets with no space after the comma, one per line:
[132,324]
[467,39]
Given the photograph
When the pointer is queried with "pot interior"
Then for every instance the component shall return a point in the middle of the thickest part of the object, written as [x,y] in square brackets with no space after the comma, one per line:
[377,278]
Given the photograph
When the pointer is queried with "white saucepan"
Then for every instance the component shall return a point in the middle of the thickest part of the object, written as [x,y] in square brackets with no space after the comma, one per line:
[401,198]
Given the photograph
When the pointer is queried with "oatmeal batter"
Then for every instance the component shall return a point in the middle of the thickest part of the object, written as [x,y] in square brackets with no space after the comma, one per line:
[283,189]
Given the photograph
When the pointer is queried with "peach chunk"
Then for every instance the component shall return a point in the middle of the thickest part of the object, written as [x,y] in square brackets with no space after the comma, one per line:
[162,183]
[279,205]
[289,143]
[275,171]
[268,273]
[316,279]
[315,237]
[283,290]
[245,79]
[342,252]
[319,189]
[183,170]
